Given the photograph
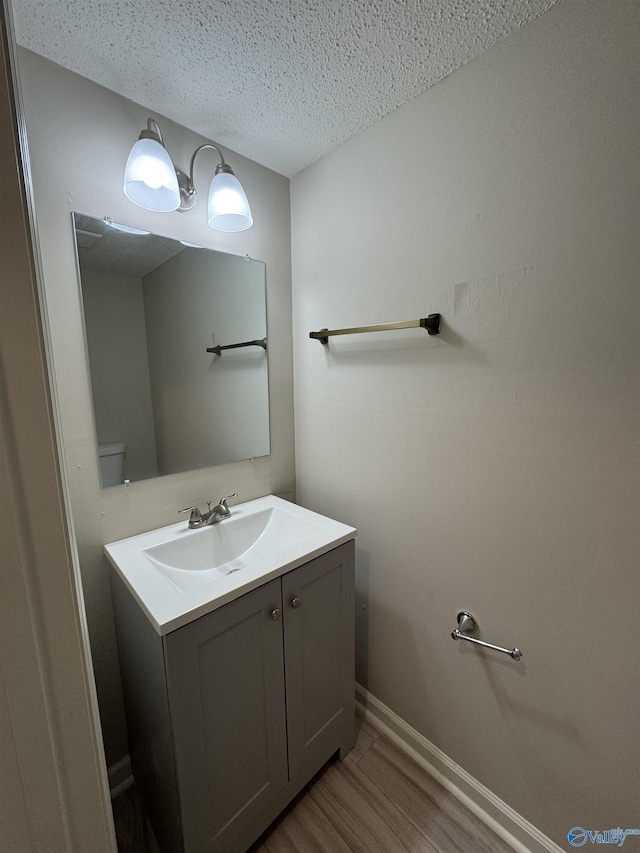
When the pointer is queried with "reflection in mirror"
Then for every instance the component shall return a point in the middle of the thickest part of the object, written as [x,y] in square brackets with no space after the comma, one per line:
[152,309]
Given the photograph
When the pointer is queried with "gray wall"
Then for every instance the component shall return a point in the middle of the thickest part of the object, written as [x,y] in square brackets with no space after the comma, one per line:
[495,468]
[79,137]
[117,349]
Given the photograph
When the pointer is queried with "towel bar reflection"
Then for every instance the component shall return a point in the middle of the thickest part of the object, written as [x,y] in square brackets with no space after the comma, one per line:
[430,323]
[218,350]
[468,625]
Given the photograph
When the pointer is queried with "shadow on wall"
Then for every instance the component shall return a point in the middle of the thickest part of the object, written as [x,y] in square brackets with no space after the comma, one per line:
[398,635]
[363,564]
[511,709]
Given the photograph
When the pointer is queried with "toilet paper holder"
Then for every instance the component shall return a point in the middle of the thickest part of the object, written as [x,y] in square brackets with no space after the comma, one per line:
[467,624]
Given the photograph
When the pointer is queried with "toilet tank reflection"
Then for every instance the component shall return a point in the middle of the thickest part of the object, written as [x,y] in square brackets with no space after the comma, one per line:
[111,463]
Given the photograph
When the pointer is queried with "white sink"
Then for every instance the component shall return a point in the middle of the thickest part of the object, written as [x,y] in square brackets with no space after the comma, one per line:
[177,574]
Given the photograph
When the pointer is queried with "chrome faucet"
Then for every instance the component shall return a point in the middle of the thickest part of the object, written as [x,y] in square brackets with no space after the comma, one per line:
[219,512]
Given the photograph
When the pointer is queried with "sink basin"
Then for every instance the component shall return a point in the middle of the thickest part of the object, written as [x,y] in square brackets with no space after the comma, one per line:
[228,546]
[177,574]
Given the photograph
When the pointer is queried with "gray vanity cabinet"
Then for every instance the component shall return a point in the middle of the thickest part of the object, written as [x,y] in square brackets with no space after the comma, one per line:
[225,674]
[254,698]
[318,607]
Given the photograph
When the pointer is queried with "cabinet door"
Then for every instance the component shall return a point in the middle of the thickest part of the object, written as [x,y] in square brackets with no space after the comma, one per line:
[318,607]
[226,696]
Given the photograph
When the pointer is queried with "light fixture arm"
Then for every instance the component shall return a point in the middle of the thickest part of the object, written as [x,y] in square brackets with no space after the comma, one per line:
[185,182]
[198,150]
[153,132]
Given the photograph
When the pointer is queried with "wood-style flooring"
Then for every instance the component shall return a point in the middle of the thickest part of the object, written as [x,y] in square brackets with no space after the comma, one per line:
[378,800]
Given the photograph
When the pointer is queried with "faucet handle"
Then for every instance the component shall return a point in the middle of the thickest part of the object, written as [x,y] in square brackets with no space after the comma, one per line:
[196,515]
[223,501]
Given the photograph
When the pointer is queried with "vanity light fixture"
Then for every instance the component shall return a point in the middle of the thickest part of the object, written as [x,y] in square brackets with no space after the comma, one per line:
[153,182]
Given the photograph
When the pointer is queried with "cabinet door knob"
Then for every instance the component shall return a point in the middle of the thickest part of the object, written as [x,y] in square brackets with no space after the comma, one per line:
[295,603]
[275,614]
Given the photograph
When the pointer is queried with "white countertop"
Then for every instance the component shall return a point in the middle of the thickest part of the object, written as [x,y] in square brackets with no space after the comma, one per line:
[280,536]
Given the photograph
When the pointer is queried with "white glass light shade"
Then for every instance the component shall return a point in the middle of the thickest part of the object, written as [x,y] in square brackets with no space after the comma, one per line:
[228,206]
[150,178]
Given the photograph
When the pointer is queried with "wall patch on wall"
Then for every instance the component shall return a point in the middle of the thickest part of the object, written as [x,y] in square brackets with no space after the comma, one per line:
[490,309]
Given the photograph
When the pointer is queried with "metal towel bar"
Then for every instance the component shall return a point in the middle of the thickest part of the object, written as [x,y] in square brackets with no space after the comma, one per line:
[468,625]
[430,323]
[218,350]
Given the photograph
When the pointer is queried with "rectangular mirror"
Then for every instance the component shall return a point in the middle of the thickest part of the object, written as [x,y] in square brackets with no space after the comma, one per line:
[172,390]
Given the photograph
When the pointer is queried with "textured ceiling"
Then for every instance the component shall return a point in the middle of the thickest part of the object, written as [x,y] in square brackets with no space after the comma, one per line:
[102,247]
[280,81]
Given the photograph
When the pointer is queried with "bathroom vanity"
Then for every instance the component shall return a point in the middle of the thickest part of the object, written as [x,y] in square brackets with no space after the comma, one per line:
[235,702]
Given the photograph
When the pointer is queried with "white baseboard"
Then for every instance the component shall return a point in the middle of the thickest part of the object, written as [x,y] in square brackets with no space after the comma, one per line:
[120,776]
[521,835]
